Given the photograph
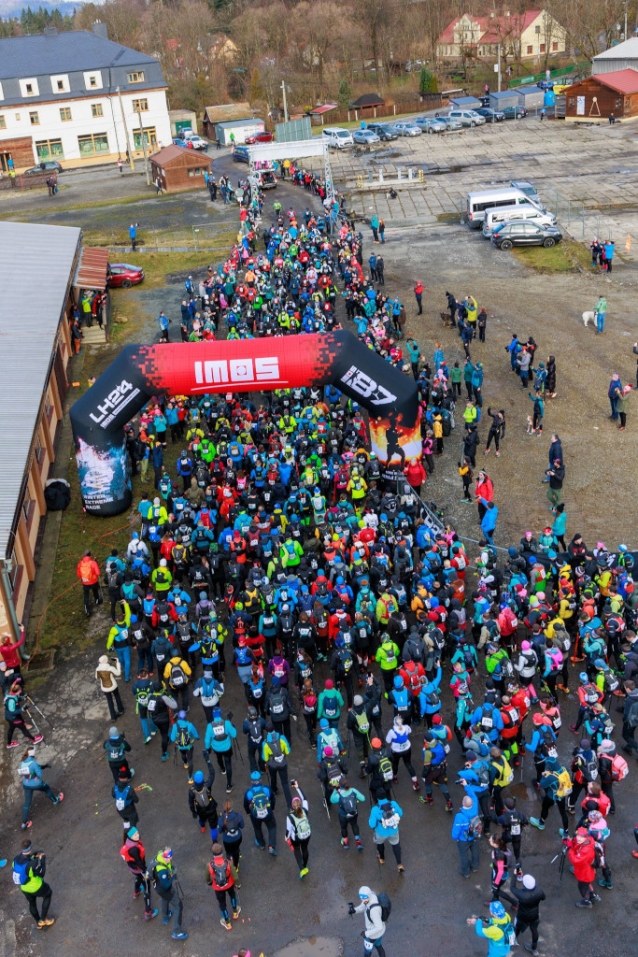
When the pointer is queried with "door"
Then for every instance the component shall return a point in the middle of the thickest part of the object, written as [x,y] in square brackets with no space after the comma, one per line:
[4,161]
[531,234]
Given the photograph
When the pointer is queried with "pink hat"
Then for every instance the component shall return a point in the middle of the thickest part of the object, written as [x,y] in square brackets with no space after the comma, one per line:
[526,646]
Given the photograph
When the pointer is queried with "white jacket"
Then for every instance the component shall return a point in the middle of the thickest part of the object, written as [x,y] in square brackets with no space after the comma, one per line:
[114,671]
[375,928]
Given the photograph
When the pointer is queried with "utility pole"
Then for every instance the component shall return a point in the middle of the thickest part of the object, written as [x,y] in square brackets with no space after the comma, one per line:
[146,169]
[626,5]
[499,68]
[283,88]
[128,142]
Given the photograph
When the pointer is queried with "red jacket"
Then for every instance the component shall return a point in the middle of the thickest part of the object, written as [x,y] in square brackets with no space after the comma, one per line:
[10,652]
[220,861]
[415,474]
[409,669]
[88,570]
[581,856]
[485,489]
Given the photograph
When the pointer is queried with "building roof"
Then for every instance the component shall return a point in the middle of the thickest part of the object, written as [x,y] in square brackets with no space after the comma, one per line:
[515,25]
[505,94]
[64,53]
[235,124]
[320,110]
[527,90]
[169,154]
[622,81]
[368,99]
[92,268]
[226,111]
[628,50]
[42,257]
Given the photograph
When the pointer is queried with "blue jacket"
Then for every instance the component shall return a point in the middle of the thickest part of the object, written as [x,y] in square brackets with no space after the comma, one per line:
[488,523]
[497,721]
[219,744]
[430,688]
[461,824]
[376,820]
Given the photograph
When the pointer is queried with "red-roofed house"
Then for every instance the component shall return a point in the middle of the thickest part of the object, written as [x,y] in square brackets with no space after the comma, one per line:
[524,36]
[597,97]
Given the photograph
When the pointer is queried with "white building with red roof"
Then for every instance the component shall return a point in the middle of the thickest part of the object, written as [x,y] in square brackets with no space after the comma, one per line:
[523,36]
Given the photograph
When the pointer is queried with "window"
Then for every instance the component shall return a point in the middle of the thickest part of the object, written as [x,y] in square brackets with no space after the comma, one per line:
[543,47]
[60,83]
[571,101]
[555,47]
[49,149]
[65,114]
[618,103]
[93,81]
[34,118]
[17,116]
[38,449]
[27,505]
[530,49]
[29,87]
[93,145]
[3,123]
[150,138]
[135,77]
[96,109]
[1,92]
[140,106]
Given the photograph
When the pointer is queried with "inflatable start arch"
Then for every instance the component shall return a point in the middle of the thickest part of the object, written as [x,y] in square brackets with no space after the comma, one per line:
[250,365]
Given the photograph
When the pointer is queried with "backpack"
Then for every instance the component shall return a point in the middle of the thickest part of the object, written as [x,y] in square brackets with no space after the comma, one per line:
[515,824]
[510,934]
[415,680]
[475,827]
[363,725]
[330,706]
[21,872]
[184,739]
[178,678]
[632,716]
[487,721]
[619,768]
[505,775]
[277,703]
[232,830]
[348,804]
[120,800]
[590,769]
[301,826]
[219,873]
[564,783]
[278,755]
[591,694]
[385,904]
[548,739]
[483,775]
[200,797]
[611,681]
[385,768]
[345,660]
[261,805]
[219,729]
[389,817]
[432,699]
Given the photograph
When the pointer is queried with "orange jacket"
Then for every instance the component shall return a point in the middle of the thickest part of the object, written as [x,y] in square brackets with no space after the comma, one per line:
[88,570]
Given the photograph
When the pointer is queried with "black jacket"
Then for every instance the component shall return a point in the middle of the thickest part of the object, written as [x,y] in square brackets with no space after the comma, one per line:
[528,902]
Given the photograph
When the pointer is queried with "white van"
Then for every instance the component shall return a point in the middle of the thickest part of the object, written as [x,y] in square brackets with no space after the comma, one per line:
[477,203]
[505,214]
[467,117]
[337,137]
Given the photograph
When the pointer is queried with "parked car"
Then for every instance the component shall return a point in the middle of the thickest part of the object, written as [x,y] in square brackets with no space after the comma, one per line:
[262,137]
[407,129]
[527,188]
[197,143]
[514,112]
[467,117]
[337,137]
[121,274]
[525,234]
[384,131]
[431,124]
[491,116]
[46,166]
[450,122]
[240,154]
[366,137]
[186,133]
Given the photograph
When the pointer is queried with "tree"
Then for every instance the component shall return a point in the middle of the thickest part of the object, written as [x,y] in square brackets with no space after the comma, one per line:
[427,81]
[345,94]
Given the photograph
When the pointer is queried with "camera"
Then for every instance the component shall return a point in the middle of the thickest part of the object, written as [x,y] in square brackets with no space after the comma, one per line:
[351,908]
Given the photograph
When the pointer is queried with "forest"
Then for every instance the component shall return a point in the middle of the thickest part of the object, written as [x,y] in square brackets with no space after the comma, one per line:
[323,50]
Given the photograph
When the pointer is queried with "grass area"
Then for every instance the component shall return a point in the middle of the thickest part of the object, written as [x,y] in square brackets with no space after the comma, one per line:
[565,257]
[98,204]
[159,241]
[64,623]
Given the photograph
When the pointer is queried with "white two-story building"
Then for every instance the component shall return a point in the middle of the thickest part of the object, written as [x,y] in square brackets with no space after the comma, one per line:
[78,97]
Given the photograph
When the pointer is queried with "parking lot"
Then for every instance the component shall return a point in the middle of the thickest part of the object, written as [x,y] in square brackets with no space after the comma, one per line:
[586,174]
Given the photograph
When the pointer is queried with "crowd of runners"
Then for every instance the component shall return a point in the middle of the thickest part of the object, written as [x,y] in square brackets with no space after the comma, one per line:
[273,555]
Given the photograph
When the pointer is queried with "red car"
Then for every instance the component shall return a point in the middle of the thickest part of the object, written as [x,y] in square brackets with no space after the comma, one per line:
[121,274]
[263,137]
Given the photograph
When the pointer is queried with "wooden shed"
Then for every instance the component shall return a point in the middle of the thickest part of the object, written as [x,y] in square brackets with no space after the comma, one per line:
[222,113]
[599,96]
[179,168]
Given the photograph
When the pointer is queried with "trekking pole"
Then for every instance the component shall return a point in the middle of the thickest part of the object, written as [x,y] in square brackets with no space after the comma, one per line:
[238,750]
[34,705]
[32,720]
[323,798]
[180,892]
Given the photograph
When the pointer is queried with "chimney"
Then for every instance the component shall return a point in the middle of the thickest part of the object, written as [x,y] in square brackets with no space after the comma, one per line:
[50,32]
[100,29]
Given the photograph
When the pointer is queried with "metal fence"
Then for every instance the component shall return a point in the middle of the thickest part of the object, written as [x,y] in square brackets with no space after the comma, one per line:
[36,180]
[200,237]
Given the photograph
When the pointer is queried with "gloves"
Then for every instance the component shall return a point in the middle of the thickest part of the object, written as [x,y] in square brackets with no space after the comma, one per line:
[205,754]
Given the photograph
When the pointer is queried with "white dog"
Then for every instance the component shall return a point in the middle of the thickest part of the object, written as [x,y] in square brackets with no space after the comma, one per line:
[588,317]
